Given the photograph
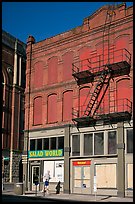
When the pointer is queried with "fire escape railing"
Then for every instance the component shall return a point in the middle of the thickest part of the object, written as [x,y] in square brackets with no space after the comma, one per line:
[103,68]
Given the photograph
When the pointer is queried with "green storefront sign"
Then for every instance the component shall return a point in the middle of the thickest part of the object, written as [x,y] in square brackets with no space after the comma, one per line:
[45,153]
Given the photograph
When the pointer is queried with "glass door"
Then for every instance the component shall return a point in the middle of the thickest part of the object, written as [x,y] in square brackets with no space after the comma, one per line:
[35,173]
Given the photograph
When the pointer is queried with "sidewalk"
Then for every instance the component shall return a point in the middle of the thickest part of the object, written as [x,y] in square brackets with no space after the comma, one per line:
[73,197]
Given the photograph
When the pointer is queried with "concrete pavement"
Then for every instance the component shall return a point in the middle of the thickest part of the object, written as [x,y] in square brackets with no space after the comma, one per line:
[73,197]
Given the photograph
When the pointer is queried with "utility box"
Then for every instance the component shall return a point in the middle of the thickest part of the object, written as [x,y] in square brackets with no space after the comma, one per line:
[18,188]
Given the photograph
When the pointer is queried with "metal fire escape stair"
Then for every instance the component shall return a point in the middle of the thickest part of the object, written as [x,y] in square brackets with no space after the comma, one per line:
[103,79]
[118,63]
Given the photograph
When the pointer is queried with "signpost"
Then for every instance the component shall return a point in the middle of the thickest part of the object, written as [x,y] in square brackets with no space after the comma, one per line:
[95,182]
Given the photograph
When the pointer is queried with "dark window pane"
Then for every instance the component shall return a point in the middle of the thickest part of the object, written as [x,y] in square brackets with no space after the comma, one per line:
[130,141]
[53,143]
[88,144]
[39,144]
[32,144]
[46,143]
[76,145]
[99,143]
[60,142]
[112,142]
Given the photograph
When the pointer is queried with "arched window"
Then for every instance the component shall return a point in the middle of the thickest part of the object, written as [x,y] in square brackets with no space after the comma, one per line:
[38,75]
[37,111]
[84,54]
[52,108]
[67,105]
[123,93]
[67,66]
[52,70]
[84,99]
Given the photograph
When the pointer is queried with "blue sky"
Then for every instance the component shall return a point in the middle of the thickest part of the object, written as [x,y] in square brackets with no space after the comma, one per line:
[45,19]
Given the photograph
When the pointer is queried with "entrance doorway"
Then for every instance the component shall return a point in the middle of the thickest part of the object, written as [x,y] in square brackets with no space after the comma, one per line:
[81,179]
[35,172]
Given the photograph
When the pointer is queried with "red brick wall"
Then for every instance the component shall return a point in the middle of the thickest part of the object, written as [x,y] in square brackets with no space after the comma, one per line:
[55,55]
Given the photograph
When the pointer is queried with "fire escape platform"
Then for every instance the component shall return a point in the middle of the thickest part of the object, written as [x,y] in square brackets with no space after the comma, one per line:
[104,119]
[119,68]
[84,76]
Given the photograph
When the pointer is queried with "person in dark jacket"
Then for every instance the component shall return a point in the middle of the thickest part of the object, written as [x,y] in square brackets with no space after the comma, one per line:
[58,188]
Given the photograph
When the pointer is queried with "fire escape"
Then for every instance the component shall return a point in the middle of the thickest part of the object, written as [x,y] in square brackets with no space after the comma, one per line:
[99,73]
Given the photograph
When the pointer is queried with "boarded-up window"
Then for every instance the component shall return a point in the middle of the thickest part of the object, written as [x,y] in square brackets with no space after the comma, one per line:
[130,175]
[123,93]
[122,42]
[84,55]
[67,105]
[84,99]
[52,108]
[106,175]
[67,66]
[52,70]
[37,111]
[38,75]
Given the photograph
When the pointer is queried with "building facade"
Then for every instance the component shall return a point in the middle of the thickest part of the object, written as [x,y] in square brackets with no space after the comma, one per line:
[78,108]
[13,86]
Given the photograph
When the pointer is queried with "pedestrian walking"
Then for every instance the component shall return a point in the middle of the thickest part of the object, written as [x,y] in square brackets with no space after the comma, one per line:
[46,182]
[58,188]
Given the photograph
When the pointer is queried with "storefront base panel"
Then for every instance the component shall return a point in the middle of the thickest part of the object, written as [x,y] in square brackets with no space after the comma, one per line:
[82,191]
[111,192]
[129,193]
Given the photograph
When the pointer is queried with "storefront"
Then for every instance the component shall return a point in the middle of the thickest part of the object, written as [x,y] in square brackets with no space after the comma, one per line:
[43,161]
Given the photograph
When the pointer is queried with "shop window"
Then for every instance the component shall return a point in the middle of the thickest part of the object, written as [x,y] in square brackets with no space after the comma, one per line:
[99,143]
[130,141]
[53,143]
[60,142]
[88,144]
[32,144]
[76,145]
[112,142]
[46,144]
[39,144]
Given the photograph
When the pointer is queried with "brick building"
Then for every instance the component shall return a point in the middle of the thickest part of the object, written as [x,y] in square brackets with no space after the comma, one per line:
[13,85]
[78,110]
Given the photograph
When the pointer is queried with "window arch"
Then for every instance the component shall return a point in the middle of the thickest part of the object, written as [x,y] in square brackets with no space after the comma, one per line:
[37,111]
